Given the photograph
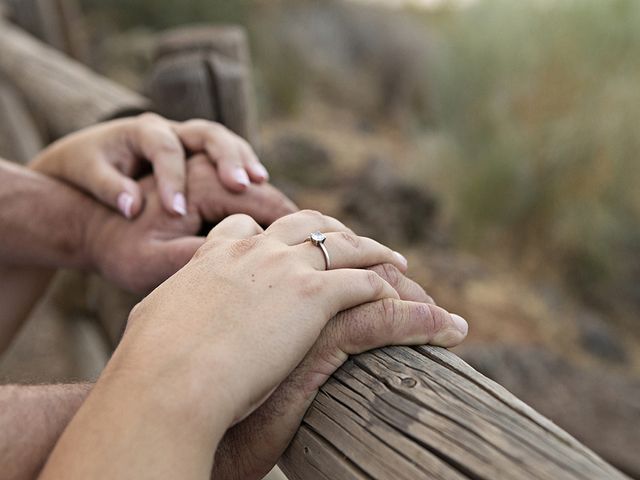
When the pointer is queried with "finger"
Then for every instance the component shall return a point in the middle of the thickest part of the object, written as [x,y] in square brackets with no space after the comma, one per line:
[264,203]
[395,322]
[352,287]
[296,228]
[256,170]
[406,288]
[170,256]
[110,186]
[347,250]
[222,147]
[237,226]
[158,143]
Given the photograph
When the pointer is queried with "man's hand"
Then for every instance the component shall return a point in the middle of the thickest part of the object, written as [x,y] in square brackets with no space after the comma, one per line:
[141,254]
[104,159]
[251,448]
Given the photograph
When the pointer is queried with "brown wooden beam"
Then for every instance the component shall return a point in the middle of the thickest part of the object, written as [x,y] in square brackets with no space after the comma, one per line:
[67,94]
[411,413]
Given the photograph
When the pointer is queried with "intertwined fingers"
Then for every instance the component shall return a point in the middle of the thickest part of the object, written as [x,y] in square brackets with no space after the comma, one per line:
[406,288]
[154,139]
[236,161]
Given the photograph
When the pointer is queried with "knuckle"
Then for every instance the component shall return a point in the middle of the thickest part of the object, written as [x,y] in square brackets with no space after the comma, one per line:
[205,248]
[351,239]
[137,311]
[375,282]
[243,246]
[391,274]
[435,318]
[388,308]
[166,144]
[390,311]
[149,117]
[310,214]
[239,218]
[198,123]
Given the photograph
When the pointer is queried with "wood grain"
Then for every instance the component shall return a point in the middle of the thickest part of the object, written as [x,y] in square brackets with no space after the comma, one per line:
[412,413]
[205,72]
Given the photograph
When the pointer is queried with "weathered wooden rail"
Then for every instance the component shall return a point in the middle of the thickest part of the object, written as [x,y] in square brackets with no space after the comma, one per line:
[412,413]
[395,413]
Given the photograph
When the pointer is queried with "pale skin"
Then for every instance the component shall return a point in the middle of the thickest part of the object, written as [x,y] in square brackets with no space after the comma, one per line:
[403,314]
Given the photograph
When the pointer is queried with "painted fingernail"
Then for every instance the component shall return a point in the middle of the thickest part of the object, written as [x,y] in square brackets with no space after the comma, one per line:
[125,203]
[460,323]
[179,204]
[261,171]
[240,176]
[401,258]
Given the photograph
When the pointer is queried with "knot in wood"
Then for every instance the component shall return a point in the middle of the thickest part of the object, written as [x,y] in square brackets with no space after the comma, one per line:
[408,382]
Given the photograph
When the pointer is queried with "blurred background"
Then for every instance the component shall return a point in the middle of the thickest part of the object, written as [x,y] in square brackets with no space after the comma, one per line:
[494,142]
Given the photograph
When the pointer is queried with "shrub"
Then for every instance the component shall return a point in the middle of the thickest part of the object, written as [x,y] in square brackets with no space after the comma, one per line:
[541,102]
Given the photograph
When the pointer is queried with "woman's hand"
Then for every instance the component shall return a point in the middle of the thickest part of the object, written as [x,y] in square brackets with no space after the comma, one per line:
[213,342]
[262,438]
[259,299]
[104,159]
[209,345]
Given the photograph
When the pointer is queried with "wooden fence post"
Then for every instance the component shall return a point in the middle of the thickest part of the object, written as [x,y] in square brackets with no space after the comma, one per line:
[58,23]
[205,72]
[68,95]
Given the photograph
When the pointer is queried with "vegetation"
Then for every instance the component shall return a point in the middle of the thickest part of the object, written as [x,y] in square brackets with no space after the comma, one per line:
[541,105]
[534,106]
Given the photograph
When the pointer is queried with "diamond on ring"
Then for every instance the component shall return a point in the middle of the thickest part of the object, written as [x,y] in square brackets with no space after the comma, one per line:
[317,239]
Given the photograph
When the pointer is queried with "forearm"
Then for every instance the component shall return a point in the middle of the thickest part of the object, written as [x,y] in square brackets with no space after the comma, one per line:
[21,289]
[44,222]
[148,416]
[32,419]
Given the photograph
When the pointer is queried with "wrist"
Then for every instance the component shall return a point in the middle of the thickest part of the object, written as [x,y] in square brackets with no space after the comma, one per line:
[94,238]
[184,379]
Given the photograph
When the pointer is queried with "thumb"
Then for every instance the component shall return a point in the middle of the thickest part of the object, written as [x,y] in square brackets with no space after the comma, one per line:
[175,254]
[263,202]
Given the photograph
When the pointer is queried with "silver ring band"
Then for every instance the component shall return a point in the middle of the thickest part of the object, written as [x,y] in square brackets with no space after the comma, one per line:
[318,239]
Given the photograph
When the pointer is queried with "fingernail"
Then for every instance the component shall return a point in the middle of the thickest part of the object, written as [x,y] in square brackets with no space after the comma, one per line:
[179,204]
[460,323]
[125,203]
[240,176]
[261,171]
[402,259]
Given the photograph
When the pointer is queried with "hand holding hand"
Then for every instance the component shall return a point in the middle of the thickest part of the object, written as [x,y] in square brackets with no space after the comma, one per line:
[141,254]
[104,159]
[262,438]
[258,300]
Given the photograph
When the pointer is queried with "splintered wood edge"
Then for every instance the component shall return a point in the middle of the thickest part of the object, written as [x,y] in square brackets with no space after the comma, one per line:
[406,413]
